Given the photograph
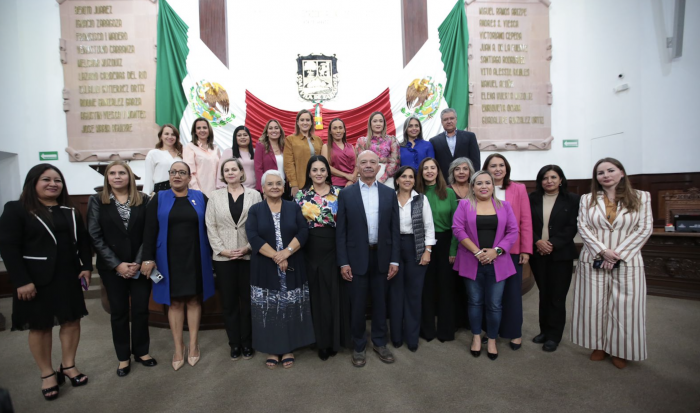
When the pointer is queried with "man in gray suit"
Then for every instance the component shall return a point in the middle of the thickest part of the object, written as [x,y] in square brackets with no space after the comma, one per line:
[452,143]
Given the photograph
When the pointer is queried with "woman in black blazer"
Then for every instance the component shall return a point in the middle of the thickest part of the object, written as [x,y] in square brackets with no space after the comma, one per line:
[554,217]
[116,219]
[47,254]
[279,288]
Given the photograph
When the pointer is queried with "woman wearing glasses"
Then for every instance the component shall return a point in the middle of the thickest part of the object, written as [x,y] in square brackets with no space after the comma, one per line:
[175,243]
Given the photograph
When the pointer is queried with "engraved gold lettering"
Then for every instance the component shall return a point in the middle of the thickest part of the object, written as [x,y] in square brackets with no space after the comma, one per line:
[492,35]
[118,36]
[133,102]
[82,10]
[513,24]
[92,49]
[88,102]
[486,10]
[122,128]
[102,128]
[488,83]
[111,62]
[122,49]
[88,37]
[143,74]
[500,11]
[538,120]
[103,9]
[88,129]
[88,63]
[519,12]
[109,22]
[82,24]
[112,75]
[138,88]
[137,114]
[87,76]
[513,36]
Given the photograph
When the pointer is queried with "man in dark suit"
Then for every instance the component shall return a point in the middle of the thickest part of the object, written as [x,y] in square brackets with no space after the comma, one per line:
[367,236]
[452,143]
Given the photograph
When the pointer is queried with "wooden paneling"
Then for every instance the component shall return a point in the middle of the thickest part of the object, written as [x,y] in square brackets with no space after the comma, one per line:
[415,27]
[212,27]
[672,264]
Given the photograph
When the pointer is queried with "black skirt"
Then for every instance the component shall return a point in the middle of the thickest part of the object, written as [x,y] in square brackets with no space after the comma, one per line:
[61,300]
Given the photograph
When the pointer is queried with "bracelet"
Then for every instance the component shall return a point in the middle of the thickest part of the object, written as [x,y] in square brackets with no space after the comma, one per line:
[478,253]
[147,262]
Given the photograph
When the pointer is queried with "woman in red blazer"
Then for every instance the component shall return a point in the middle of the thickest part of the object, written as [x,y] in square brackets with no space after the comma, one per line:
[516,194]
[268,153]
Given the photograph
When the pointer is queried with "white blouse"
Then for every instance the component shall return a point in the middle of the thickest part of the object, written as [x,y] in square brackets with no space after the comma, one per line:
[158,164]
[406,221]
[280,164]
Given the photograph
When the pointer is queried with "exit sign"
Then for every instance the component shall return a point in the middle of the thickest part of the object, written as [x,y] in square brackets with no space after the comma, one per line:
[48,156]
[570,143]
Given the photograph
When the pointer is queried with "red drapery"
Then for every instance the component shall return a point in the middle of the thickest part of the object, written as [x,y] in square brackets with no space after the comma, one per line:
[259,112]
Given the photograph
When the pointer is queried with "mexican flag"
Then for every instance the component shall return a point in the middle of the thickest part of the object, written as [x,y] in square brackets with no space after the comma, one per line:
[192,82]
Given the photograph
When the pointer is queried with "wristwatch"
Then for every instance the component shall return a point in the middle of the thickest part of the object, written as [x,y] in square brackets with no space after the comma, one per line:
[291,250]
[499,251]
[429,250]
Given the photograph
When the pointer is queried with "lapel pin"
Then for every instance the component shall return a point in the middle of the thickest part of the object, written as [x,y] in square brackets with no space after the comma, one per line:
[193,202]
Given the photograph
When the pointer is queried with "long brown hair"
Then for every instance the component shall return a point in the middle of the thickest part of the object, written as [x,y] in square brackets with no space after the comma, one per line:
[210,138]
[440,185]
[369,126]
[135,198]
[266,140]
[331,139]
[177,145]
[297,131]
[30,200]
[624,193]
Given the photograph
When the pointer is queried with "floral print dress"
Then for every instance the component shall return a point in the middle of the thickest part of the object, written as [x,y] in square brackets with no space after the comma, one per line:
[318,210]
[387,148]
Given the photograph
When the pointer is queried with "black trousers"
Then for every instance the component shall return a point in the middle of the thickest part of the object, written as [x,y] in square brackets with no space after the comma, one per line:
[439,292]
[233,279]
[512,318]
[377,284]
[324,287]
[553,279]
[119,292]
[405,295]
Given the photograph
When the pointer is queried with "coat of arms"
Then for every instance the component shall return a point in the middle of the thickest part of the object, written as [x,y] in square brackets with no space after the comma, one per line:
[317,77]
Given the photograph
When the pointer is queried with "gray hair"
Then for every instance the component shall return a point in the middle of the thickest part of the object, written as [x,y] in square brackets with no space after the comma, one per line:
[454,164]
[471,196]
[274,172]
[448,110]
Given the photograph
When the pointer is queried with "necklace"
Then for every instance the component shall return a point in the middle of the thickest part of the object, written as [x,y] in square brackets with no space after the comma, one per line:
[454,188]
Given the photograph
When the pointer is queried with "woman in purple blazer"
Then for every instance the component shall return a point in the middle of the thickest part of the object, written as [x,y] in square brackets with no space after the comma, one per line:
[486,229]
[269,152]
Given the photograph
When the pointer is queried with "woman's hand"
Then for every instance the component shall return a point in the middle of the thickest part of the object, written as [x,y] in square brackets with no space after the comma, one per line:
[87,275]
[238,253]
[295,189]
[123,270]
[283,265]
[425,258]
[147,267]
[610,256]
[487,256]
[544,247]
[524,258]
[26,292]
[281,256]
[452,259]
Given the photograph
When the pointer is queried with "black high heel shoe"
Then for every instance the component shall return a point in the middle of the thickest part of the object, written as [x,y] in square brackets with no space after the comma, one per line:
[76,381]
[124,371]
[45,392]
[492,356]
[147,363]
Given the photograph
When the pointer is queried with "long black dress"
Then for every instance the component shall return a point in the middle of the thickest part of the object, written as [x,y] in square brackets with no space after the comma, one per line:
[62,299]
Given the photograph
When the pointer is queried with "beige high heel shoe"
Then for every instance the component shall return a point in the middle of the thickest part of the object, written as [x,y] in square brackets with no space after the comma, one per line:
[194,360]
[177,365]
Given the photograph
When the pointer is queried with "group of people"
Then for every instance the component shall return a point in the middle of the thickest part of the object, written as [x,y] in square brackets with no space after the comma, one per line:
[296,234]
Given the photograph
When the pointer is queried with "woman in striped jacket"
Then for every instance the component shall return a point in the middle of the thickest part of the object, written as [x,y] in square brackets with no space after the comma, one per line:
[615,221]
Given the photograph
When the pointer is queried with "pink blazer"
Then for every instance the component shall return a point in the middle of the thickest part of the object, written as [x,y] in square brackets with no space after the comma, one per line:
[516,195]
[263,163]
[464,226]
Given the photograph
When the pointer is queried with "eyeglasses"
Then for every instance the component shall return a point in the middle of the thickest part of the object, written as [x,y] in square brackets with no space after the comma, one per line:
[181,173]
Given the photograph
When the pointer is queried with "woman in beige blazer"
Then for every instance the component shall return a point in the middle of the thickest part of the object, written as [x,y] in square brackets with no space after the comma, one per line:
[227,212]
[615,221]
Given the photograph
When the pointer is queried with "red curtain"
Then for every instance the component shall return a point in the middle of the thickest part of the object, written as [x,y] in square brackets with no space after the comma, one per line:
[259,112]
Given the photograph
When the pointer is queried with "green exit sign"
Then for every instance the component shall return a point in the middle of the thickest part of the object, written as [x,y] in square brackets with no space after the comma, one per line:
[570,143]
[48,156]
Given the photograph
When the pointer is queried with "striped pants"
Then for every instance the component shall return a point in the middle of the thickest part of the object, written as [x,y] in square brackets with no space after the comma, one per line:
[610,311]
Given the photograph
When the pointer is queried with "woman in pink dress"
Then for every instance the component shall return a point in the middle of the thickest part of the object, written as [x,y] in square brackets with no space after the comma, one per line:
[202,157]
[340,154]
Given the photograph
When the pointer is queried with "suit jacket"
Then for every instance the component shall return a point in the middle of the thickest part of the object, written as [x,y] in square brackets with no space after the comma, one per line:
[561,227]
[296,157]
[352,237]
[263,163]
[516,195]
[466,146]
[28,245]
[224,233]
[113,242]
[261,230]
[464,226]
[626,235]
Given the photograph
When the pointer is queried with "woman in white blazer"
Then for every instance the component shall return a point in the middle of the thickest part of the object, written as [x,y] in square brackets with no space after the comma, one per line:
[615,221]
[227,212]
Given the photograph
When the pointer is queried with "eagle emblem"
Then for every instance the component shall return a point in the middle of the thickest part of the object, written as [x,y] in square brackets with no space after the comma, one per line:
[317,77]
[423,98]
[210,101]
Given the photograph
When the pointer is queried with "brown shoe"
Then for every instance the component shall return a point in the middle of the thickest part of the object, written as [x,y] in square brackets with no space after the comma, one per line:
[598,355]
[384,354]
[619,363]
[359,358]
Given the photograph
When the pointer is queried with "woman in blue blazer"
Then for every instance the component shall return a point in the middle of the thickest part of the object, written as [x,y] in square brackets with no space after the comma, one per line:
[176,239]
